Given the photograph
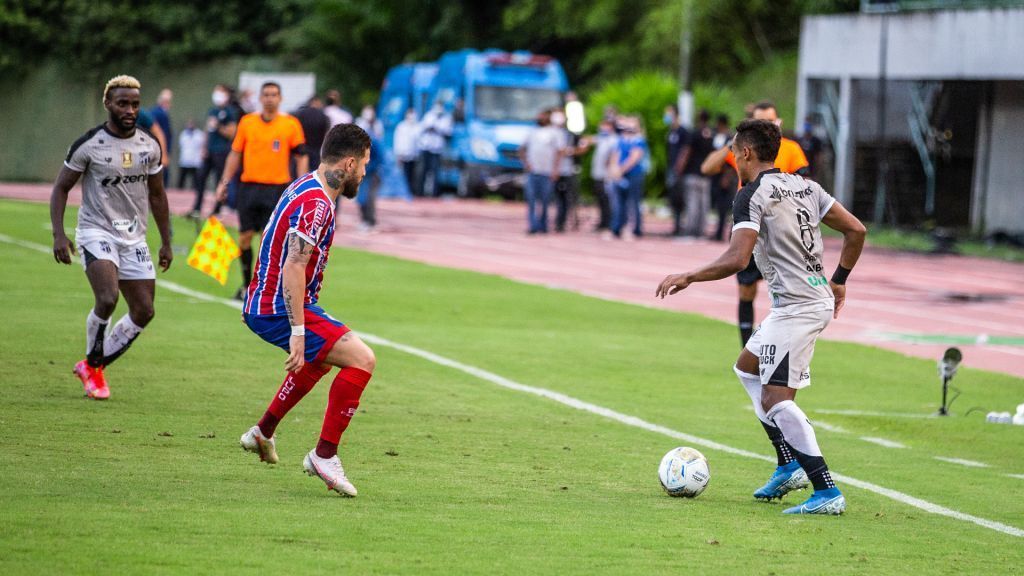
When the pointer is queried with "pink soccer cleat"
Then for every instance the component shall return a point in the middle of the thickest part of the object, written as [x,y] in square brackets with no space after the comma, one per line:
[93,382]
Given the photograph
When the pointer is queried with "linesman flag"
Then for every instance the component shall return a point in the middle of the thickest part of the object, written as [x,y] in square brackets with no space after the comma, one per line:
[213,251]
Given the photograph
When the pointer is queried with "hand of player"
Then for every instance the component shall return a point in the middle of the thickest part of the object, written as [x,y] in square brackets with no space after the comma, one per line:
[671,284]
[166,255]
[297,355]
[839,290]
[222,191]
[63,249]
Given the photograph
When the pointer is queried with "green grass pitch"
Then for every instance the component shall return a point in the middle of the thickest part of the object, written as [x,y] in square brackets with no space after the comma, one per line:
[455,474]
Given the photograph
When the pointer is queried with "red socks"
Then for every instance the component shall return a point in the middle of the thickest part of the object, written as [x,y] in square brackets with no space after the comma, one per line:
[295,386]
[342,402]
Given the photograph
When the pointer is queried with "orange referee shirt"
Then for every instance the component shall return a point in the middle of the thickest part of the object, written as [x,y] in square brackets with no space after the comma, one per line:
[266,147]
[790,159]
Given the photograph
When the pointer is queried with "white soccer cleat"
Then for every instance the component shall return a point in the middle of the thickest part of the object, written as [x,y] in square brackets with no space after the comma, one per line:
[253,441]
[330,471]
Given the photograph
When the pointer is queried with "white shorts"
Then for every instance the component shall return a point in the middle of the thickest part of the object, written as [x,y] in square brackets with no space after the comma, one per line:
[784,343]
[131,259]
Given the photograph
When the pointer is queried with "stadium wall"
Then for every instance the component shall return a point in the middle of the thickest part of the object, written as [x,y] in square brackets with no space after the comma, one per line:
[44,112]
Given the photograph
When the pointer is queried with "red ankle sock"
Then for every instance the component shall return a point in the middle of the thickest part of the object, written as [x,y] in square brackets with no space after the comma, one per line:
[325,449]
[342,402]
[295,386]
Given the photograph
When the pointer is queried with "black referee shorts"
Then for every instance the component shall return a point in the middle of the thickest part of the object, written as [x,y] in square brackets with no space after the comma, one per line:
[256,203]
[749,275]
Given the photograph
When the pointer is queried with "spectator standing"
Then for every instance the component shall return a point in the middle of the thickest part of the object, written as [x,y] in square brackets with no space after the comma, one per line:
[605,143]
[190,153]
[315,125]
[435,128]
[697,185]
[723,186]
[676,141]
[337,113]
[221,123]
[567,186]
[367,196]
[162,115]
[406,134]
[540,155]
[629,174]
[369,122]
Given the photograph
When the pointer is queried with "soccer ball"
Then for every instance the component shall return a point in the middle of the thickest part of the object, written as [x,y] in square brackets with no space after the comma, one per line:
[684,472]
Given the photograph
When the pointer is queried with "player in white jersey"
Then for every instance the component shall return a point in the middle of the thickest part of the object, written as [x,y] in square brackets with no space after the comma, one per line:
[777,219]
[119,165]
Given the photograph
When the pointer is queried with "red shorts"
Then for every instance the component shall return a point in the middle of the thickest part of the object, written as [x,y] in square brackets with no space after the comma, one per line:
[322,331]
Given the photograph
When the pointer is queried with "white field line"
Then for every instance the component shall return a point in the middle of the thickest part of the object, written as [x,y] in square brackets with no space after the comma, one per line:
[602,411]
[871,413]
[829,427]
[1017,476]
[962,462]
[882,442]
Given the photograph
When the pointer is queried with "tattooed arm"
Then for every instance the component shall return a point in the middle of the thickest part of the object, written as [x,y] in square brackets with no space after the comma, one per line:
[294,272]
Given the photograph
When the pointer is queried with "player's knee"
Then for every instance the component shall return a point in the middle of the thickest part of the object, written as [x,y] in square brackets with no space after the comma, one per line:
[367,360]
[142,315]
[105,303]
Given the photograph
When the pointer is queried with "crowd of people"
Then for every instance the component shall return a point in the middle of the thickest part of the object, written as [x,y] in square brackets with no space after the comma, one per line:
[620,162]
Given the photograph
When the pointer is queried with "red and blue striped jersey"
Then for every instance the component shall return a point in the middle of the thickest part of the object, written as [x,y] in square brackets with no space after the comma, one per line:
[304,209]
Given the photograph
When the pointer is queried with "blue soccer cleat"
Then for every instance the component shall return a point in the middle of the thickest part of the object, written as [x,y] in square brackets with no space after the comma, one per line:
[829,501]
[785,479]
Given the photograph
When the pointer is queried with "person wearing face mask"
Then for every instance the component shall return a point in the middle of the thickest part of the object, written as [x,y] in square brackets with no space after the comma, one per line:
[567,185]
[696,185]
[677,140]
[434,129]
[369,122]
[790,160]
[605,143]
[221,123]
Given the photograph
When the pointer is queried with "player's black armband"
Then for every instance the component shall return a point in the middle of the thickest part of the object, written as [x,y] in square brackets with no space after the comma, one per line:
[840,275]
[299,150]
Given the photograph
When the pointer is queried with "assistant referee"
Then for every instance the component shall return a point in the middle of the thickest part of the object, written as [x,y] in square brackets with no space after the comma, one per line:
[264,144]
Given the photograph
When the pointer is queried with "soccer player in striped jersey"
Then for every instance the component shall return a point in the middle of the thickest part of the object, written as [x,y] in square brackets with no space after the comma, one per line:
[119,165]
[281,306]
[778,218]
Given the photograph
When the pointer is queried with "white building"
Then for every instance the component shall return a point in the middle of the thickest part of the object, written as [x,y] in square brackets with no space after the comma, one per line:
[946,125]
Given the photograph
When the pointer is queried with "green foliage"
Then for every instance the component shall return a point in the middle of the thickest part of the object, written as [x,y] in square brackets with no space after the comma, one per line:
[92,37]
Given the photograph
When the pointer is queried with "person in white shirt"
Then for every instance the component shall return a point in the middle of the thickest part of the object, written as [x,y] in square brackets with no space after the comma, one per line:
[435,128]
[191,142]
[337,113]
[541,155]
[605,143]
[369,122]
[406,133]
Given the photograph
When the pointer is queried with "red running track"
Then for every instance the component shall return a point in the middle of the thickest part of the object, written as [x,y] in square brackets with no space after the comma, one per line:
[890,293]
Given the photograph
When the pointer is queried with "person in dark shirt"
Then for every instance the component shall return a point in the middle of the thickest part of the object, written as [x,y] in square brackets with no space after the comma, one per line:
[697,186]
[678,138]
[315,124]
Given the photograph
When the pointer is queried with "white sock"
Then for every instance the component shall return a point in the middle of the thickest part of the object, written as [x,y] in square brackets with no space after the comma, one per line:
[120,337]
[752,384]
[795,427]
[95,330]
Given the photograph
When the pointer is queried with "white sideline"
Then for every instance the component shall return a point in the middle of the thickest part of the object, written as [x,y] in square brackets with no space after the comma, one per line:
[595,409]
[962,462]
[882,442]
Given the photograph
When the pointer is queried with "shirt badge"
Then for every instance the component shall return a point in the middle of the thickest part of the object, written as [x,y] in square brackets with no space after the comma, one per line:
[126,159]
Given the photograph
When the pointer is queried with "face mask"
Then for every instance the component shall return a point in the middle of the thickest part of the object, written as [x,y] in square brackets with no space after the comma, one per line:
[219,98]
[558,119]
[667,118]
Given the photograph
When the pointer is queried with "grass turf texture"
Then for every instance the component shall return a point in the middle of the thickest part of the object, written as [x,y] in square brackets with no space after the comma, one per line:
[456,475]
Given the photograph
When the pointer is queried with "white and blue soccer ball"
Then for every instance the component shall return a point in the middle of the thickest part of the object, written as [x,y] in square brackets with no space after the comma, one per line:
[684,472]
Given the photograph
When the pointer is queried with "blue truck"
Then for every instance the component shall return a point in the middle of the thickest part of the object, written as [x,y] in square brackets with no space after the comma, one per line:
[494,97]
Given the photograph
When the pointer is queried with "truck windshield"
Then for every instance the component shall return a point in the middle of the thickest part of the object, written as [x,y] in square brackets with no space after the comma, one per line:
[513,104]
